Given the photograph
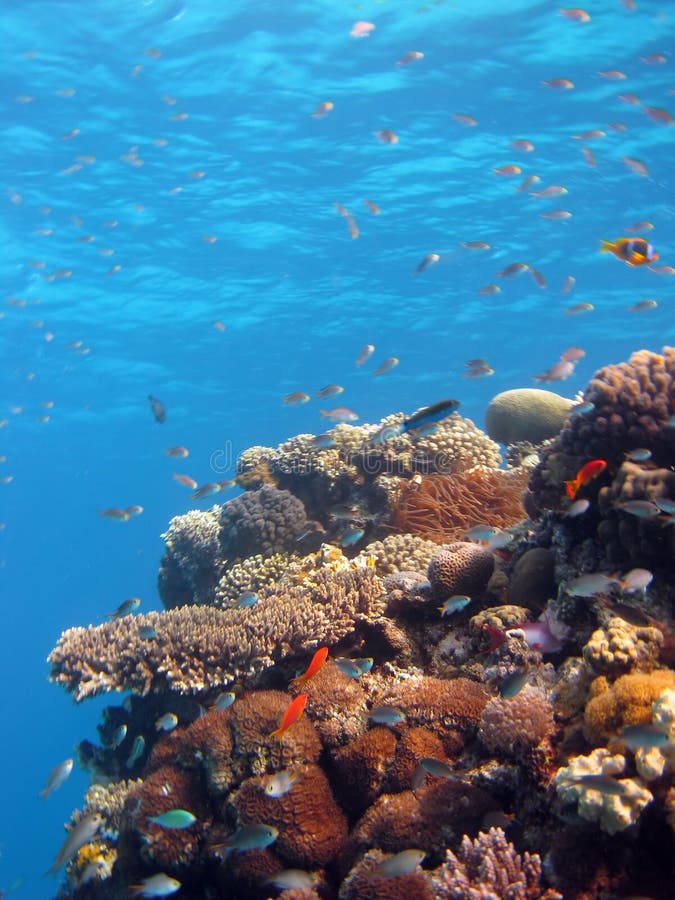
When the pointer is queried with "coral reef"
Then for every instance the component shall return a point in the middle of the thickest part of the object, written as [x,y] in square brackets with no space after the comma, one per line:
[518,723]
[400,553]
[619,647]
[265,521]
[198,648]
[526,414]
[444,507]
[626,702]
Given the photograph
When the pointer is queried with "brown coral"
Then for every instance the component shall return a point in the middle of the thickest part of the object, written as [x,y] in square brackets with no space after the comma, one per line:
[364,882]
[444,507]
[312,828]
[361,767]
[199,648]
[438,703]
[460,568]
[627,702]
[336,705]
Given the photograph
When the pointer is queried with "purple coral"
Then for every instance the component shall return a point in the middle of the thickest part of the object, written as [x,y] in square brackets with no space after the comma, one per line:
[265,521]
[488,868]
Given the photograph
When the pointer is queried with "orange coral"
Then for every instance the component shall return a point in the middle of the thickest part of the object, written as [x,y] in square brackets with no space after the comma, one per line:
[627,702]
[362,766]
[443,507]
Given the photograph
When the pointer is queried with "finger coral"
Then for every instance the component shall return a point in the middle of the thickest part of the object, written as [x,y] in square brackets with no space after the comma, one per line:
[489,868]
[199,648]
[444,507]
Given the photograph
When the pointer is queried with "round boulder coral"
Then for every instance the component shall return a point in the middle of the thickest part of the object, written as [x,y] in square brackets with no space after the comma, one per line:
[526,414]
[518,723]
[460,568]
[265,521]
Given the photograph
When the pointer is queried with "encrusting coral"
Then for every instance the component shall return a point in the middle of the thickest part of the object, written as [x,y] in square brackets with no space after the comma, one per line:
[460,568]
[619,647]
[518,723]
[199,648]
[444,507]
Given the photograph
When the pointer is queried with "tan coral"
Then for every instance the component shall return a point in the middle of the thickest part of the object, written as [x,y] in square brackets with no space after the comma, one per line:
[613,812]
[200,648]
[251,574]
[620,647]
[460,568]
[400,553]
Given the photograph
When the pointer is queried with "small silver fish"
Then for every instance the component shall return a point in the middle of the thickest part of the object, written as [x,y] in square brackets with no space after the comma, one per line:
[56,777]
[636,737]
[511,685]
[640,454]
[454,604]
[223,700]
[402,863]
[293,879]
[437,767]
[386,715]
[167,722]
[137,750]
[578,508]
[248,837]
[125,609]
[642,509]
[482,532]
[174,818]
[589,585]
[351,536]
[280,783]
[603,783]
[78,836]
[118,736]
[159,885]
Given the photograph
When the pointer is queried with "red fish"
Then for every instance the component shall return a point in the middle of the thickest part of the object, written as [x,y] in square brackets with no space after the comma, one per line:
[373,207]
[586,473]
[634,251]
[317,662]
[293,712]
[385,136]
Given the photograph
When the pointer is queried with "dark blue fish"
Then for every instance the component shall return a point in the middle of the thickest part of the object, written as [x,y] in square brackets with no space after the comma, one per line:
[429,415]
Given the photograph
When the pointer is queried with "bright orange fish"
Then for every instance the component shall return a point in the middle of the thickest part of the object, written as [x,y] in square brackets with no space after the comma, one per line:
[634,251]
[373,207]
[508,170]
[292,714]
[586,473]
[317,662]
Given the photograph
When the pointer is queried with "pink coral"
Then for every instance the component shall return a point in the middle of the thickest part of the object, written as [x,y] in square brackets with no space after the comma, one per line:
[518,723]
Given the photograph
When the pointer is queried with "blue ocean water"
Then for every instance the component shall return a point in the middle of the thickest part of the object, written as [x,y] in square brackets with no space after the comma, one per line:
[162,172]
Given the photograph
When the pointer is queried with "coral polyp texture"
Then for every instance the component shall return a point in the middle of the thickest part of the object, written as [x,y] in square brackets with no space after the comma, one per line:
[347,693]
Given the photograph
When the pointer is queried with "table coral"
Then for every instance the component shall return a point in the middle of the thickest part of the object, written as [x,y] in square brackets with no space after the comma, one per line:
[444,507]
[526,414]
[488,868]
[613,812]
[199,648]
[620,647]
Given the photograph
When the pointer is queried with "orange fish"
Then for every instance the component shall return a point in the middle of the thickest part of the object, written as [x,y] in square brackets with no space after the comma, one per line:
[590,135]
[634,251]
[295,399]
[642,305]
[538,277]
[361,29]
[353,228]
[528,182]
[390,363]
[516,268]
[561,84]
[635,165]
[588,156]
[324,107]
[177,452]
[186,481]
[640,226]
[657,114]
[653,59]
[475,245]
[463,119]
[662,270]
[490,289]
[568,284]
[292,714]
[553,190]
[115,513]
[574,14]
[578,308]
[428,260]
[364,354]
[373,207]
[508,170]
[612,75]
[586,473]
[409,57]
[630,99]
[556,214]
[525,146]
[317,662]
[385,136]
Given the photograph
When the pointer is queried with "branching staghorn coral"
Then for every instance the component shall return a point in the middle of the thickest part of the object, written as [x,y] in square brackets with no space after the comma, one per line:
[199,648]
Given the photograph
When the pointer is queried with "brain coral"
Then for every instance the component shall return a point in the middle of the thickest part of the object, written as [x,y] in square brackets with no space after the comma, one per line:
[632,403]
[443,507]
[400,553]
[526,414]
[460,568]
[265,521]
[198,648]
